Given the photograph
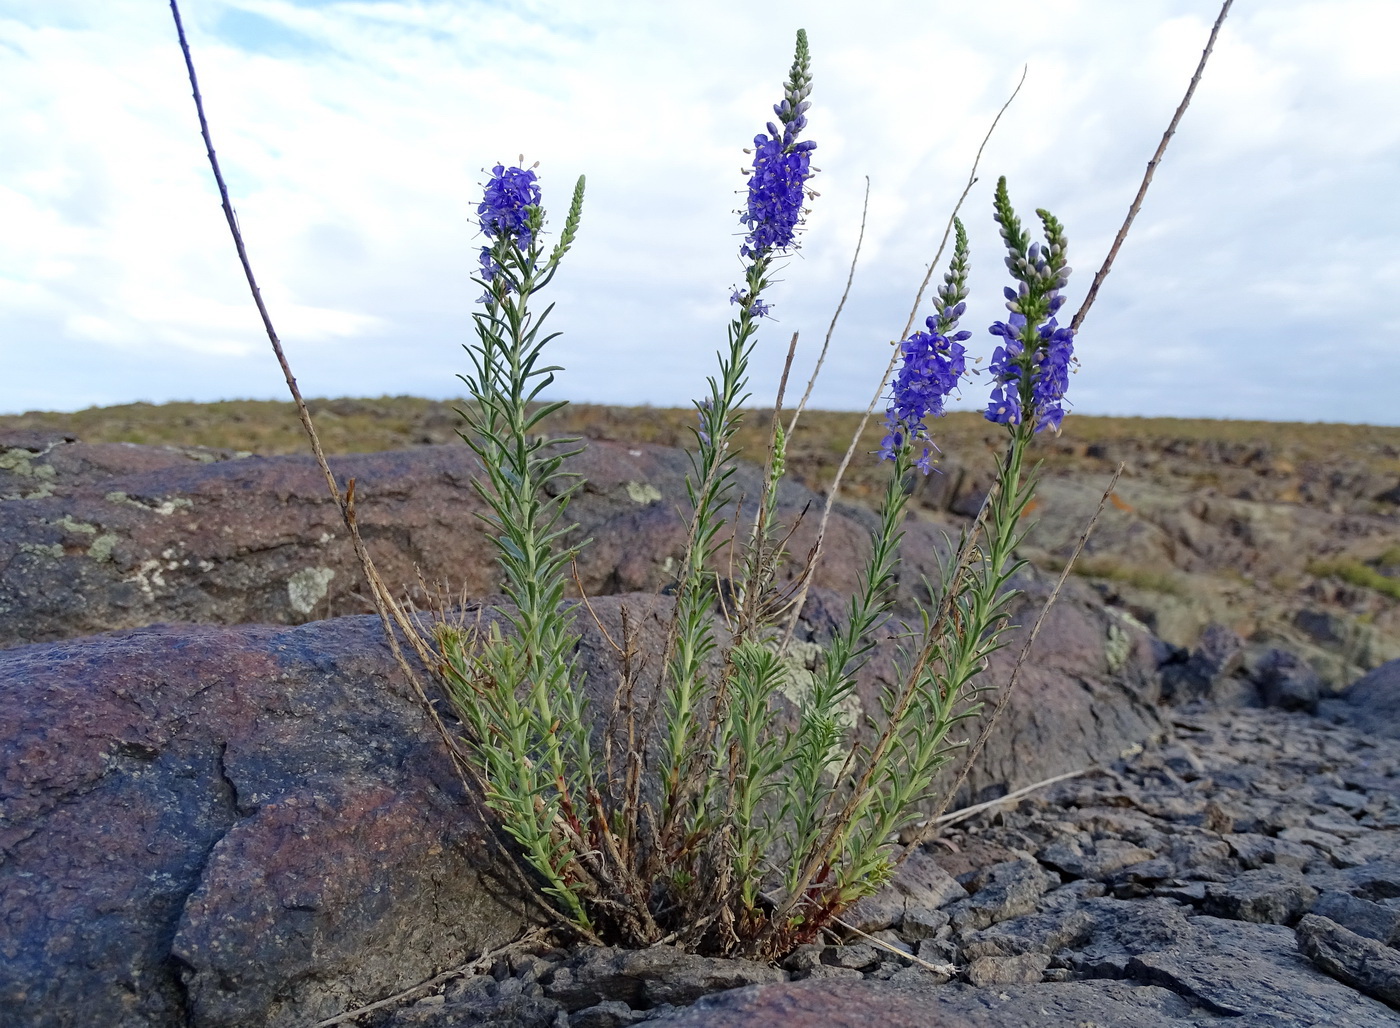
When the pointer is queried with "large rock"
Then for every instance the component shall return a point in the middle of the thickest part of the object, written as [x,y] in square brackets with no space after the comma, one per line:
[97,537]
[1372,702]
[229,826]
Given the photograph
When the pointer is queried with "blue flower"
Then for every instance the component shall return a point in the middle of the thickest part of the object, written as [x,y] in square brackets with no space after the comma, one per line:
[781,166]
[507,204]
[776,193]
[1048,365]
[933,364]
[756,308]
[1030,370]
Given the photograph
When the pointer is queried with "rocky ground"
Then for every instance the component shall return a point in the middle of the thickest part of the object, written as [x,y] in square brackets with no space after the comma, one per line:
[228,824]
[1246,872]
[1286,534]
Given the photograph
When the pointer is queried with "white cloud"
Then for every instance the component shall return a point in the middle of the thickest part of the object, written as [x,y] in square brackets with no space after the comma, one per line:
[354,137]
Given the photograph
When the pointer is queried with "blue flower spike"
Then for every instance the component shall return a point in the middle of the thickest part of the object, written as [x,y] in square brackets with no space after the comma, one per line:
[1030,369]
[510,213]
[934,362]
[782,164]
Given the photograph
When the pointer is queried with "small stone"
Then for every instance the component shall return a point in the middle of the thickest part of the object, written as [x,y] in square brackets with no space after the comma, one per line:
[1363,917]
[921,975]
[1288,681]
[1183,892]
[1026,969]
[1328,843]
[610,1013]
[1263,896]
[804,958]
[831,971]
[1099,860]
[936,951]
[1008,890]
[860,956]
[920,923]
[1362,963]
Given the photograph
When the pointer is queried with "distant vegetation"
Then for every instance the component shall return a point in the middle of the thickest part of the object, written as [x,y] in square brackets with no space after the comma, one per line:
[388,423]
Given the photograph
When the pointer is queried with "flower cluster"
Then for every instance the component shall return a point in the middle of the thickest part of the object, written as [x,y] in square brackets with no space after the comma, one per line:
[1049,366]
[933,364]
[1030,370]
[781,166]
[507,211]
[757,308]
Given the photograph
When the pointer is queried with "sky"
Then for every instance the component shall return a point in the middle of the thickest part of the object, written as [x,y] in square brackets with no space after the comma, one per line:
[1260,281]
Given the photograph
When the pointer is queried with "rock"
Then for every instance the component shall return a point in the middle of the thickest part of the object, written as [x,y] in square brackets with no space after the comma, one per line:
[919,885]
[1362,963]
[1096,860]
[502,1010]
[1287,681]
[97,537]
[1043,933]
[610,1013]
[650,977]
[1373,701]
[1253,850]
[1207,671]
[1360,916]
[1004,891]
[860,956]
[1274,895]
[1024,969]
[1239,969]
[230,826]
[916,1002]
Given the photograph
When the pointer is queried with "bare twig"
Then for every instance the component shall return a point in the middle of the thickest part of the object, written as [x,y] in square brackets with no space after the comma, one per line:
[930,827]
[826,343]
[889,368]
[944,969]
[388,609]
[471,967]
[1102,274]
[966,812]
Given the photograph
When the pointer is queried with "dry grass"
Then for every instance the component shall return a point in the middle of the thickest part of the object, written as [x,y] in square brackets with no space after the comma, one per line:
[364,425]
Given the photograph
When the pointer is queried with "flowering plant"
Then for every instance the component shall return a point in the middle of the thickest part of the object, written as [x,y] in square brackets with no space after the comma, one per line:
[755,833]
[706,817]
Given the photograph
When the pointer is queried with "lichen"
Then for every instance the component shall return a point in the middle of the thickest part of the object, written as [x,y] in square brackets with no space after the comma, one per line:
[68,524]
[101,548]
[164,508]
[54,550]
[1117,648]
[308,587]
[642,492]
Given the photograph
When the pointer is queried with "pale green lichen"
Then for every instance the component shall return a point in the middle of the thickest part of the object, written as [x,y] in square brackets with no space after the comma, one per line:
[643,493]
[21,462]
[54,550]
[164,508]
[101,548]
[308,587]
[67,523]
[1117,648]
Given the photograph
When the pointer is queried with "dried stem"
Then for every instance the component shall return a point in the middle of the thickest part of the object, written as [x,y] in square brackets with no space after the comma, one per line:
[801,598]
[826,343]
[388,609]
[930,829]
[1102,274]
[481,963]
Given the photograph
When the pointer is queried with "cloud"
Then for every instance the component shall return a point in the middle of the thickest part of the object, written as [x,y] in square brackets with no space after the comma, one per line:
[354,136]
